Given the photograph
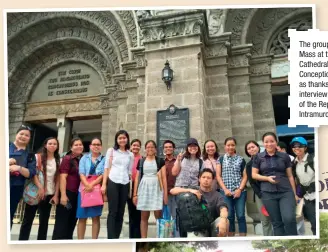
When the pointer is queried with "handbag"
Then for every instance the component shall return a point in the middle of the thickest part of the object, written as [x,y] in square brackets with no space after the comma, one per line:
[93,198]
[30,194]
[166,227]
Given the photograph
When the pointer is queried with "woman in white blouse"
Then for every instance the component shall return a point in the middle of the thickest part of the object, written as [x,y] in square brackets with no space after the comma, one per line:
[116,182]
[49,160]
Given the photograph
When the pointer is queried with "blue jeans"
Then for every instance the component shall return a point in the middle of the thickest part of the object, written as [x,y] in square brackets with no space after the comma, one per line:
[173,209]
[236,206]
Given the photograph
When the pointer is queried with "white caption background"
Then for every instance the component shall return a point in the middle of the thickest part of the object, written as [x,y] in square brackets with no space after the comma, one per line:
[308,78]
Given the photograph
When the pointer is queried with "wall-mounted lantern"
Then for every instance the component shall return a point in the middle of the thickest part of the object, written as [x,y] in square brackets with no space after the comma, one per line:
[167,75]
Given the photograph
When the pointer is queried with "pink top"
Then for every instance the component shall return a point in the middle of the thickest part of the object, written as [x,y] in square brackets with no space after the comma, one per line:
[134,168]
[211,164]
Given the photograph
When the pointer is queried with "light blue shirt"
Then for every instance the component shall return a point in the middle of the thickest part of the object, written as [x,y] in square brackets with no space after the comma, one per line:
[121,168]
[85,165]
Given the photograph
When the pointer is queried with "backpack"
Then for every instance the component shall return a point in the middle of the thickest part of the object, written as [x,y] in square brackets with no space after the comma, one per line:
[30,194]
[310,162]
[311,187]
[193,215]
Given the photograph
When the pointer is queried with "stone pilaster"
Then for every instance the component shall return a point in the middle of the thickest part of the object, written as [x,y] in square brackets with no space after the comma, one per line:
[240,96]
[139,75]
[217,89]
[260,82]
[176,37]
[16,118]
[64,132]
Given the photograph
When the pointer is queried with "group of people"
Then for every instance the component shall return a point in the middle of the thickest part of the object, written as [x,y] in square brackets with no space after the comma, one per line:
[147,183]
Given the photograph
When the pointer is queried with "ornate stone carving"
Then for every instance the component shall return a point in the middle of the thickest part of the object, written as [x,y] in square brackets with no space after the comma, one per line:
[239,61]
[281,43]
[260,70]
[88,36]
[62,108]
[235,23]
[263,24]
[106,100]
[19,90]
[215,50]
[101,20]
[141,14]
[131,25]
[169,30]
[216,21]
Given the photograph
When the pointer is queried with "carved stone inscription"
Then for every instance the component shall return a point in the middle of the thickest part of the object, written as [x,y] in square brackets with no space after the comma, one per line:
[66,82]
[69,82]
[172,124]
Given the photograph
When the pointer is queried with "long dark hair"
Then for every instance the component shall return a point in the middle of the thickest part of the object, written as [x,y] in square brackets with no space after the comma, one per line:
[216,153]
[188,155]
[44,157]
[125,133]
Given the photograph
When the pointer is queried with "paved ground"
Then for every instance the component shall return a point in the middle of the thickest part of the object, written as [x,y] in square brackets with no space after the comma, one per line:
[125,231]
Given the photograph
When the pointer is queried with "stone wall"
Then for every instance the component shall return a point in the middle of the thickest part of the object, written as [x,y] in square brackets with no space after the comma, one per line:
[240,96]
[184,54]
[261,96]
[217,92]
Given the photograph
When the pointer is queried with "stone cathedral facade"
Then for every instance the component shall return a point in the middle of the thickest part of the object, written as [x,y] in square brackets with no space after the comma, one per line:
[227,63]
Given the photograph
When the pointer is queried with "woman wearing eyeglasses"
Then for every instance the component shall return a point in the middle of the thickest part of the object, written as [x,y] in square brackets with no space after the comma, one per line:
[91,164]
[303,168]
[22,166]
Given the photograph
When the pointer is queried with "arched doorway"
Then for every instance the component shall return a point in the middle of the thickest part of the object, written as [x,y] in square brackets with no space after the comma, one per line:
[66,74]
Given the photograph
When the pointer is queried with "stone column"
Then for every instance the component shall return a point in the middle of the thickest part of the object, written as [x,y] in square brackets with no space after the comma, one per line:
[240,96]
[176,37]
[260,82]
[104,132]
[16,118]
[217,90]
[64,132]
[139,56]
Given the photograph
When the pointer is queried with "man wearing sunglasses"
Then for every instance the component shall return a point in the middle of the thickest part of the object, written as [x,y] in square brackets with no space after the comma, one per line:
[303,169]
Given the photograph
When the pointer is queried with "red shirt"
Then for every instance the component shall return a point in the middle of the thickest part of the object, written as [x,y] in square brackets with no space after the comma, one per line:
[134,168]
[169,176]
[73,178]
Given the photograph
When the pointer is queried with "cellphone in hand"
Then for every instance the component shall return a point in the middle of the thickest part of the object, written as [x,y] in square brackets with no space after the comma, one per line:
[68,205]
